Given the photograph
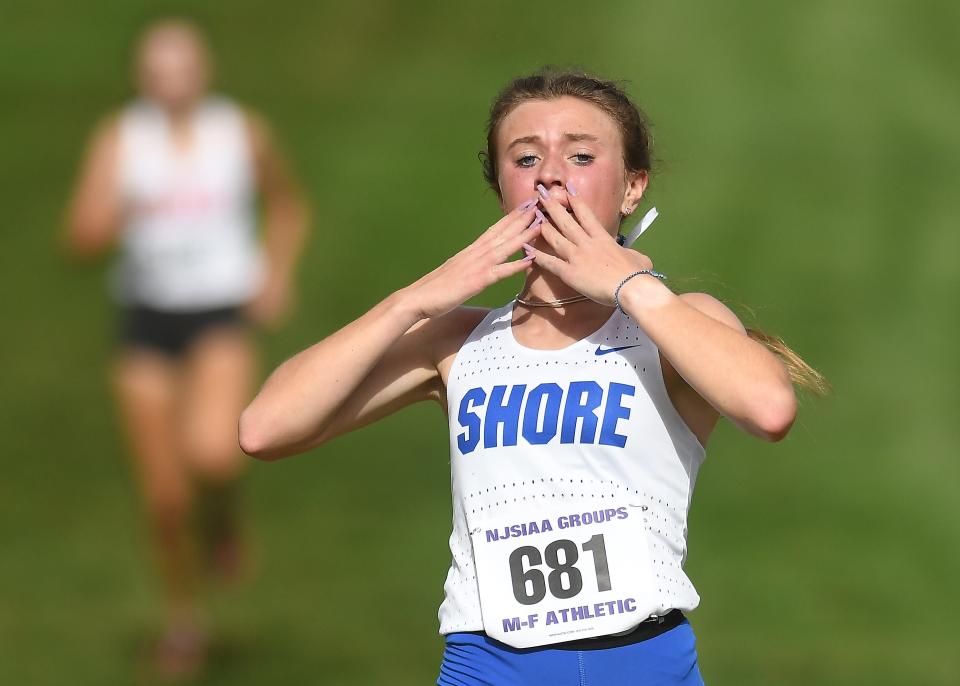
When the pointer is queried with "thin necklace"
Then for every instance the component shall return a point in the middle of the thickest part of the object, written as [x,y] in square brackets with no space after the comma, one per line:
[551,303]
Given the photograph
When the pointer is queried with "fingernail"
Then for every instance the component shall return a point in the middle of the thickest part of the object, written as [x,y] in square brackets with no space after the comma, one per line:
[528,258]
[544,193]
[527,205]
[539,215]
[529,248]
[571,190]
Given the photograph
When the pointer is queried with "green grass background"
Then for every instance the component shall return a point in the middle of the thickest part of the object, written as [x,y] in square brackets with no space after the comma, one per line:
[810,162]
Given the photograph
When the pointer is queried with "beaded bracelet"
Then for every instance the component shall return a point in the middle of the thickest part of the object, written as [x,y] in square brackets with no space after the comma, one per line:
[616,292]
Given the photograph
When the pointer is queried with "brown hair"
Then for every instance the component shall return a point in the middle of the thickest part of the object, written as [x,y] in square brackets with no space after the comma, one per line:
[550,84]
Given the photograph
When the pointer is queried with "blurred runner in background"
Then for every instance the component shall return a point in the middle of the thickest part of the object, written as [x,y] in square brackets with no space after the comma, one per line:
[173,178]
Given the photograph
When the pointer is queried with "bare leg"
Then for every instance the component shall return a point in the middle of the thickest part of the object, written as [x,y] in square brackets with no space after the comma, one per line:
[146,385]
[218,382]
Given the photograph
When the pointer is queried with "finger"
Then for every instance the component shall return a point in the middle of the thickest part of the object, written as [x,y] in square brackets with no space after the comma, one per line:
[556,240]
[507,233]
[516,219]
[550,263]
[518,227]
[565,222]
[585,216]
[502,252]
[505,269]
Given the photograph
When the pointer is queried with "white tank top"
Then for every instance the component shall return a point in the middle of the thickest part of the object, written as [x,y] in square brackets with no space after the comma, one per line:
[189,242]
[592,420]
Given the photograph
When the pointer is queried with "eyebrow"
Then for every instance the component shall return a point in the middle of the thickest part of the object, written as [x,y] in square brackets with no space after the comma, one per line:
[575,137]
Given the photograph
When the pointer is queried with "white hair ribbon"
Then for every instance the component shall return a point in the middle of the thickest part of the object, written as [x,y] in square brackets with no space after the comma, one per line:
[638,230]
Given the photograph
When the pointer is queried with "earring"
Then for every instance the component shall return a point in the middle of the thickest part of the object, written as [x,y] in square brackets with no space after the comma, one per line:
[628,210]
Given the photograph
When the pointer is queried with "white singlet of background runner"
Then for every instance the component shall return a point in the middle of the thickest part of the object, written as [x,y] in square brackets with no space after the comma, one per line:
[189,242]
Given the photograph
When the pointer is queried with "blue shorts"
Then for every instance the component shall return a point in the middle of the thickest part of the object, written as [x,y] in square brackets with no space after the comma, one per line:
[473,659]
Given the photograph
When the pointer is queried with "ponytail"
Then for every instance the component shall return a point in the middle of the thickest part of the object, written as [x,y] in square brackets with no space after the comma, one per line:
[802,374]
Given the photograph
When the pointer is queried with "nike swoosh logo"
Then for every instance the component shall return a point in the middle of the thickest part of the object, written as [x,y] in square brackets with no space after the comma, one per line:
[600,350]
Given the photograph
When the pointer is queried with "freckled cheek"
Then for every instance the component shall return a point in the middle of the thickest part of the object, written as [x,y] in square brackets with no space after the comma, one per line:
[516,185]
[599,187]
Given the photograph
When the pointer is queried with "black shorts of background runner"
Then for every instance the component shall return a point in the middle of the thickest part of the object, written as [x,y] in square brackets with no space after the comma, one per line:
[171,333]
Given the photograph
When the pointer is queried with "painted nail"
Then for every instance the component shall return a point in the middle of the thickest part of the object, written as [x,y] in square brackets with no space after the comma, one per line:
[544,193]
[539,215]
[527,205]
[529,248]
[571,190]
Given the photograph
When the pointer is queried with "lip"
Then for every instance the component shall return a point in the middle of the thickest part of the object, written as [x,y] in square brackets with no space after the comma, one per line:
[565,202]
[566,207]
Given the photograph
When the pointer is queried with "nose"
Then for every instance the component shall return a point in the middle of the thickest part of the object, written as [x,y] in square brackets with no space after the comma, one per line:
[550,173]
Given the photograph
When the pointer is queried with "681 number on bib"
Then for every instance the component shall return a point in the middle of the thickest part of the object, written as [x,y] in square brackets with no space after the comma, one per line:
[546,581]
[564,578]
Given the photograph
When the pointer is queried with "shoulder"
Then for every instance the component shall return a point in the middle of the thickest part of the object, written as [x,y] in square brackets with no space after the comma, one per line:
[108,126]
[264,148]
[454,327]
[137,113]
[218,104]
[447,333]
[258,128]
[105,136]
[713,308]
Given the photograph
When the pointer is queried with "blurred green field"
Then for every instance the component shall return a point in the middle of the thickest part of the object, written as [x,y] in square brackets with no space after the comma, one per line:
[810,162]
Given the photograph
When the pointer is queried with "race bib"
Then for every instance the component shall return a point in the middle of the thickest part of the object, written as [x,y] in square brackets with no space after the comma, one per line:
[563,571]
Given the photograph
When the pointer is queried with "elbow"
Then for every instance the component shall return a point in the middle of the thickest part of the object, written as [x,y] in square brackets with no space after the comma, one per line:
[259,437]
[776,414]
[253,438]
[84,242]
[81,251]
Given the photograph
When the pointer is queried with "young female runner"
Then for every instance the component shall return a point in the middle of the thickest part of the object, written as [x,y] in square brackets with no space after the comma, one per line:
[173,178]
[578,412]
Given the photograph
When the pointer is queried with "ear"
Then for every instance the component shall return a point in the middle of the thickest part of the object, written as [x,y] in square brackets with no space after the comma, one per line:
[636,185]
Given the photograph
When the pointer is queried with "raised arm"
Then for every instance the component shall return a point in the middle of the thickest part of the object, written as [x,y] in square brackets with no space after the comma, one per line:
[707,346]
[286,220]
[93,217]
[384,360]
[371,367]
[724,371]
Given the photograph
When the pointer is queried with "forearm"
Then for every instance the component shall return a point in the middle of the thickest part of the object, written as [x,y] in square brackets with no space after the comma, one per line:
[370,368]
[93,218]
[739,377]
[302,396]
[285,231]
[90,231]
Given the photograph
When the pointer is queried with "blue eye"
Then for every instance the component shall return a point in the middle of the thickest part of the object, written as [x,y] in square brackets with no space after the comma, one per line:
[583,158]
[526,160]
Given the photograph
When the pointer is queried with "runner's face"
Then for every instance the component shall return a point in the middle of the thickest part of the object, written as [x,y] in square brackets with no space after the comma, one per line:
[172,68]
[566,141]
